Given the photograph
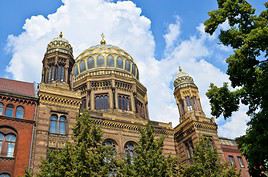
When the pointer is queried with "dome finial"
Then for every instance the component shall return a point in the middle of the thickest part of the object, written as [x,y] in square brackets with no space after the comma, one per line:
[61,34]
[180,69]
[102,42]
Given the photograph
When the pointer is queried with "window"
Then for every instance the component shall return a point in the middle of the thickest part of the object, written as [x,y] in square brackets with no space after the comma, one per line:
[189,148]
[75,70]
[62,125]
[60,74]
[189,103]
[9,110]
[90,63]
[1,141]
[133,69]
[1,108]
[7,142]
[112,143]
[11,141]
[140,108]
[181,107]
[4,175]
[231,160]
[119,62]
[100,61]
[101,101]
[53,124]
[129,150]
[124,102]
[110,61]
[19,112]
[240,160]
[58,124]
[127,65]
[82,66]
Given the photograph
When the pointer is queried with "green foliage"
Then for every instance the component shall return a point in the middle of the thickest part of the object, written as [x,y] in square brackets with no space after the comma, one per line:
[148,159]
[248,70]
[206,163]
[86,156]
[28,173]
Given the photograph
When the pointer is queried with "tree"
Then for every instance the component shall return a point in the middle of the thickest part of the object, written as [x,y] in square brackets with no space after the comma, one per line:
[86,156]
[206,163]
[149,159]
[248,73]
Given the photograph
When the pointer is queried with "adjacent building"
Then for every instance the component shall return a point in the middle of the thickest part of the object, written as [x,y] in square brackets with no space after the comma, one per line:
[104,81]
[18,103]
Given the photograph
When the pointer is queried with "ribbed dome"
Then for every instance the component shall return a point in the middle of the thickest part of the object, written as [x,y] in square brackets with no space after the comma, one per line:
[60,44]
[105,57]
[183,79]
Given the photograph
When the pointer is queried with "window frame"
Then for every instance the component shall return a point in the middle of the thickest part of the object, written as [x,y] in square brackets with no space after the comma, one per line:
[2,107]
[101,101]
[56,121]
[22,110]
[241,162]
[8,109]
[124,102]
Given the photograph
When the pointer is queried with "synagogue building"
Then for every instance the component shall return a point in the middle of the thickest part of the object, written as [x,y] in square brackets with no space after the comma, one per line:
[104,81]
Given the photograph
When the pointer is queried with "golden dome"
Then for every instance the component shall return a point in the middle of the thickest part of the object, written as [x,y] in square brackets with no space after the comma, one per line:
[60,44]
[105,57]
[183,79]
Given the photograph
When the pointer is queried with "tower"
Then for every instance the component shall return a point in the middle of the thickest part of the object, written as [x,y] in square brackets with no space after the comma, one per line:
[58,104]
[193,122]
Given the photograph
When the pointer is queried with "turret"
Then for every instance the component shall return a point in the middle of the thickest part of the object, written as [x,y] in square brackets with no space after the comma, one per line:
[58,62]
[187,96]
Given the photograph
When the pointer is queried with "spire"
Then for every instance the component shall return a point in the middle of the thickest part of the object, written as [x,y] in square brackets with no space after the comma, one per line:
[180,69]
[102,42]
[61,35]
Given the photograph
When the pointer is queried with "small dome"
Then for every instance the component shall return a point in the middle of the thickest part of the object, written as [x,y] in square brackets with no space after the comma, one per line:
[105,57]
[183,79]
[60,44]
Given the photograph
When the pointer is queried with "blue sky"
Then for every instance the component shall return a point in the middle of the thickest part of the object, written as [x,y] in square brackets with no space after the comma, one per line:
[13,14]
[160,35]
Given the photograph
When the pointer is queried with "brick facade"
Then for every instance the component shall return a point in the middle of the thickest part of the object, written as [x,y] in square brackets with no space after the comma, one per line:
[16,164]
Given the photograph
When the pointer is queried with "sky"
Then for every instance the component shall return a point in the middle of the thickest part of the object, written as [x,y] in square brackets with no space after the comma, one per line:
[160,35]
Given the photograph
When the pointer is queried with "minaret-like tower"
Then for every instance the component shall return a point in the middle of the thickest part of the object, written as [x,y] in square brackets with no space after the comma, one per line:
[58,104]
[58,62]
[193,122]
[187,97]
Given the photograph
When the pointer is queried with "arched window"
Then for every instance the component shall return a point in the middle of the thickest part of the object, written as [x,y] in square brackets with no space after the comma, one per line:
[189,103]
[58,124]
[100,61]
[110,61]
[4,175]
[133,69]
[1,141]
[124,102]
[19,112]
[101,101]
[75,70]
[119,63]
[129,150]
[1,108]
[62,125]
[53,124]
[11,141]
[110,142]
[127,65]
[82,66]
[90,63]
[60,76]
[9,110]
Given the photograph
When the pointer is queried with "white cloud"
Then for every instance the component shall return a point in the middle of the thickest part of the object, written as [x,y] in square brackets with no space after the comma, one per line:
[83,21]
[236,125]
[173,33]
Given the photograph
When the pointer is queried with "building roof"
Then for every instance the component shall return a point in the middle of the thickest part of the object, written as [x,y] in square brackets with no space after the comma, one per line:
[17,87]
[227,141]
